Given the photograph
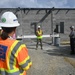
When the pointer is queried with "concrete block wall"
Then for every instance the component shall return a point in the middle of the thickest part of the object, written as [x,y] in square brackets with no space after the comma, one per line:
[30,16]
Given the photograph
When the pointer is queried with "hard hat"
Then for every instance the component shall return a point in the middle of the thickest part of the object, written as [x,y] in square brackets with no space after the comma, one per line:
[9,19]
[38,26]
[72,27]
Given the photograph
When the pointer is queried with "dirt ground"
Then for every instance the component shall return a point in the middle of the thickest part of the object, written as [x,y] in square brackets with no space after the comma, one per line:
[51,60]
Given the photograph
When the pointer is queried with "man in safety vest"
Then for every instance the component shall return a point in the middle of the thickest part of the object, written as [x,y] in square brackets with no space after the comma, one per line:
[39,34]
[14,58]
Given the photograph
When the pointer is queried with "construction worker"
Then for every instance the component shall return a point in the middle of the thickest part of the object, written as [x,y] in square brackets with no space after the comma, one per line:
[72,39]
[14,58]
[39,34]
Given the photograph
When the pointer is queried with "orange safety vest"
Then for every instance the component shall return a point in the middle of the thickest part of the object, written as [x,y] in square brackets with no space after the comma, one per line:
[14,58]
[39,34]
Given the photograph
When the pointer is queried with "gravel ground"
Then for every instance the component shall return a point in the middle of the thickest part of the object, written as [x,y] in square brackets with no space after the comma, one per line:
[51,60]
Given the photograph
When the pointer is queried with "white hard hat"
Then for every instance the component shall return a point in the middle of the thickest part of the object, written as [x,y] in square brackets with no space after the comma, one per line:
[38,26]
[72,27]
[9,19]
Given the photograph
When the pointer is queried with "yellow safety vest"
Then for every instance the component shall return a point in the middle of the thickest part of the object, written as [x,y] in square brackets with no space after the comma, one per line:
[39,34]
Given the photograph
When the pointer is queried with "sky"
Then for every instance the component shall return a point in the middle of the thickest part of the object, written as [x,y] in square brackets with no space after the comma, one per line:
[37,3]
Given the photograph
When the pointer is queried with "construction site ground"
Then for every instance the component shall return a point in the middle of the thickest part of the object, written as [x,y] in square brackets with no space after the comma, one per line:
[52,60]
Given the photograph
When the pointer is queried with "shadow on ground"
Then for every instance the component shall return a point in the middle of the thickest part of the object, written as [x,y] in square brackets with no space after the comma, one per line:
[60,51]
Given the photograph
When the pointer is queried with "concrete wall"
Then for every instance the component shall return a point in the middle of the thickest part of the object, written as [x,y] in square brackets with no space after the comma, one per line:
[28,16]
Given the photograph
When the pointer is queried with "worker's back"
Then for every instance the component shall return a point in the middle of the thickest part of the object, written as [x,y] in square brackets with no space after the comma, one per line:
[13,56]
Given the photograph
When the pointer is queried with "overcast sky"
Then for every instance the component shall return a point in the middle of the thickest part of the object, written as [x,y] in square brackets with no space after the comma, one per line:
[37,3]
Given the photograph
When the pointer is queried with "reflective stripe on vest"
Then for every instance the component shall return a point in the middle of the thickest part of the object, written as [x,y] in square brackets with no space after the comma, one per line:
[11,69]
[13,50]
[27,62]
[4,72]
[13,53]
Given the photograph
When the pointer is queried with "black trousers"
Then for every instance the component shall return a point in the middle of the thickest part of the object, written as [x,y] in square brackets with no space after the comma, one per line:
[39,41]
[72,44]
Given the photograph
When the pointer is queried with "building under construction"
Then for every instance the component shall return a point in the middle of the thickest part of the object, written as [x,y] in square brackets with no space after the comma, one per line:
[52,21]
